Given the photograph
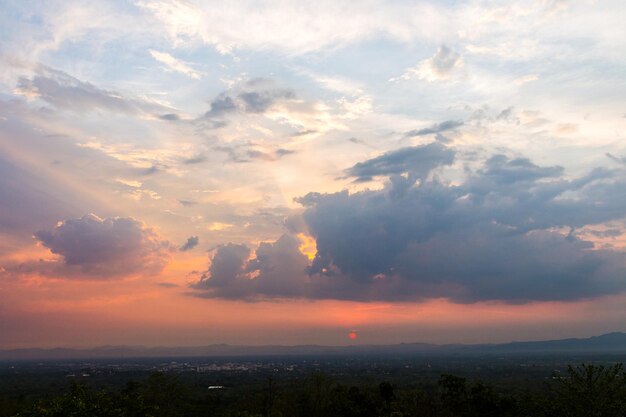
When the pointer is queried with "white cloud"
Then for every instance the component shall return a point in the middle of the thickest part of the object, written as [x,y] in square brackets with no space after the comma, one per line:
[175,64]
[293,26]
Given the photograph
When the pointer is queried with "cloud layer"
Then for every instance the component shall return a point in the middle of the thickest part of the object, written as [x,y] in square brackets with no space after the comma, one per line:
[507,232]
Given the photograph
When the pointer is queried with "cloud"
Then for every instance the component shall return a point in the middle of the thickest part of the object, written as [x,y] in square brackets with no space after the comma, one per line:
[172,117]
[618,159]
[277,270]
[436,128]
[439,67]
[175,64]
[252,25]
[66,92]
[240,154]
[501,234]
[502,170]
[198,159]
[257,96]
[91,247]
[191,243]
[416,161]
[187,203]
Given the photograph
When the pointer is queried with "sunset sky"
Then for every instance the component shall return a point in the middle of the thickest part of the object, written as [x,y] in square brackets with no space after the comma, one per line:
[330,172]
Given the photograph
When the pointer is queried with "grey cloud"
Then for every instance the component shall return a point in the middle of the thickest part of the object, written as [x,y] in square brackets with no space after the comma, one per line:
[492,237]
[284,152]
[356,140]
[436,128]
[167,285]
[257,96]
[277,270]
[223,104]
[444,61]
[226,271]
[187,203]
[237,154]
[66,92]
[304,133]
[261,101]
[191,243]
[260,155]
[416,161]
[504,170]
[152,170]
[91,247]
[172,117]
[198,159]
[505,114]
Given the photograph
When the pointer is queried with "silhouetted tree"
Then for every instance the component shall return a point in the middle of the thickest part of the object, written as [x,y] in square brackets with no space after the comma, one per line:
[591,391]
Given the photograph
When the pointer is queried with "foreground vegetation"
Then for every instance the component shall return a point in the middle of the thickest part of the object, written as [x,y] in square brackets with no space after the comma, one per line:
[583,391]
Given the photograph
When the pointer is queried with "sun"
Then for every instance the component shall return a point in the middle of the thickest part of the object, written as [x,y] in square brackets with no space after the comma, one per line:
[352,335]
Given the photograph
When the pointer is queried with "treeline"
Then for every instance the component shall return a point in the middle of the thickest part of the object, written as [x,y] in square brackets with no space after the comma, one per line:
[584,391]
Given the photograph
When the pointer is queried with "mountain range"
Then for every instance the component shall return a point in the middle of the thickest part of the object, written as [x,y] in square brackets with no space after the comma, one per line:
[606,343]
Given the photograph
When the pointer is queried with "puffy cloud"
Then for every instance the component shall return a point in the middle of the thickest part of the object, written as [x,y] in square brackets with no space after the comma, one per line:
[501,234]
[191,243]
[277,270]
[91,247]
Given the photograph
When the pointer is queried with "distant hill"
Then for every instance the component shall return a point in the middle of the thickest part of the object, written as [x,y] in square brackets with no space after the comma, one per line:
[607,343]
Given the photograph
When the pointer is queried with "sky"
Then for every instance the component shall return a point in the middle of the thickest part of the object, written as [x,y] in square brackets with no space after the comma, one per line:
[181,173]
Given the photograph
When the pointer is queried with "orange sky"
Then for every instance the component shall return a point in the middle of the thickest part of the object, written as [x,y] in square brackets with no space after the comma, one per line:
[178,174]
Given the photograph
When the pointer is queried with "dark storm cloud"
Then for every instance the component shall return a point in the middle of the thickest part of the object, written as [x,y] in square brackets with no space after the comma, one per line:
[191,243]
[499,235]
[436,128]
[417,161]
[91,247]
